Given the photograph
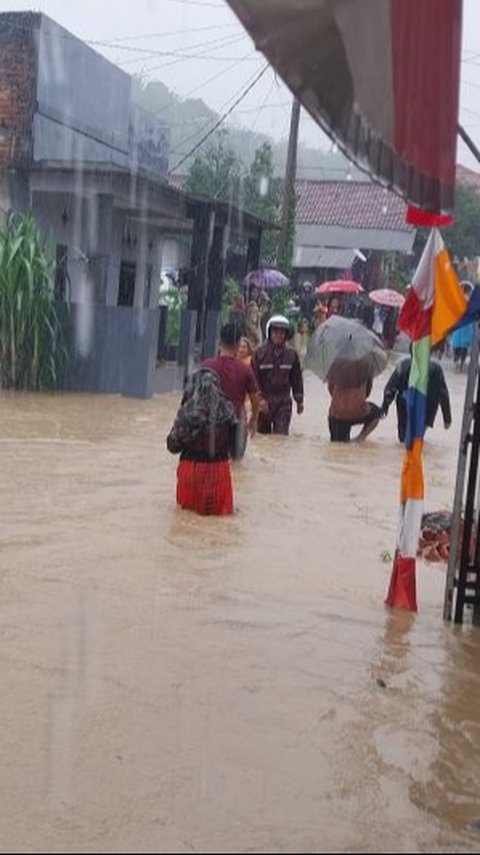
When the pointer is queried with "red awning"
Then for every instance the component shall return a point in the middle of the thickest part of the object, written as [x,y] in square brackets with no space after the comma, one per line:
[382,79]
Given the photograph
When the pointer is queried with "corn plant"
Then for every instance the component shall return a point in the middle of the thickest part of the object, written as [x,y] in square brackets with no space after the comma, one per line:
[32,350]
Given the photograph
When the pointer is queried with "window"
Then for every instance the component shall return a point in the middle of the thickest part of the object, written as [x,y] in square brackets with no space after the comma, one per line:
[126,284]
[61,271]
[148,286]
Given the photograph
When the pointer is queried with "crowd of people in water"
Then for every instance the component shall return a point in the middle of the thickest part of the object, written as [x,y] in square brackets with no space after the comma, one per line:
[253,385]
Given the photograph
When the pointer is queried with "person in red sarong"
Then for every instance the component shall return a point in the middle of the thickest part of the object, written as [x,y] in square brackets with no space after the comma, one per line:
[204,434]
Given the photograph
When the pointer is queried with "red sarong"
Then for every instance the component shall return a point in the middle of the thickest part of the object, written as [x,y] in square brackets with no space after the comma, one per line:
[205,488]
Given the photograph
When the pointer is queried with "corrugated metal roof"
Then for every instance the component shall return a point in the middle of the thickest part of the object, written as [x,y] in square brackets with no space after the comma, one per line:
[343,238]
[310,256]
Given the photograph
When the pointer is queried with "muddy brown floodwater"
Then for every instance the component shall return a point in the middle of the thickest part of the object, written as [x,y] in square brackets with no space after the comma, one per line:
[173,683]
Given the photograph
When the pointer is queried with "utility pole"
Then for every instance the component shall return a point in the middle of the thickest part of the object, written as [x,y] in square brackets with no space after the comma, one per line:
[289,188]
[468,142]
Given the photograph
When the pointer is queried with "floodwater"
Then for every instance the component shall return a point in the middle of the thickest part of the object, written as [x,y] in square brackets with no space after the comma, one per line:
[173,683]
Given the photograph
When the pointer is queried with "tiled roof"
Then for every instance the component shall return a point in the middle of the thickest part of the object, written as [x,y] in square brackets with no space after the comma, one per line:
[468,177]
[350,205]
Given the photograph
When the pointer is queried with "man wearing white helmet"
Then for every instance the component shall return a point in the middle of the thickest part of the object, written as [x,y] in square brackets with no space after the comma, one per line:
[279,376]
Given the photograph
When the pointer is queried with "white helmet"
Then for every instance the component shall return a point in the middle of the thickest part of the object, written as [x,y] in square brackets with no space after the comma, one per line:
[279,322]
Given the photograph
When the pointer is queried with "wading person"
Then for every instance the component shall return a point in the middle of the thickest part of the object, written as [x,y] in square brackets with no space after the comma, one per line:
[350,384]
[279,376]
[204,434]
[437,396]
[300,342]
[245,351]
[237,382]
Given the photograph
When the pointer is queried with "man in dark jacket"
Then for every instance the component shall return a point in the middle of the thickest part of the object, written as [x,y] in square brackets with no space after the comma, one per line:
[279,375]
[437,395]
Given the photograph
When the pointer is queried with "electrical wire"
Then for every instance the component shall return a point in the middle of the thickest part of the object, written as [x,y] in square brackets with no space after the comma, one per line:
[176,99]
[220,120]
[168,33]
[216,44]
[193,136]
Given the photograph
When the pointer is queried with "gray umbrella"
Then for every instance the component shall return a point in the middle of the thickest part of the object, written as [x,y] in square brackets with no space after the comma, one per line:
[345,351]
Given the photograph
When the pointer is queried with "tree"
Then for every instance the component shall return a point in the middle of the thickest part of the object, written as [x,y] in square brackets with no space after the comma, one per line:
[216,173]
[463,238]
[397,271]
[262,188]
[188,119]
[262,191]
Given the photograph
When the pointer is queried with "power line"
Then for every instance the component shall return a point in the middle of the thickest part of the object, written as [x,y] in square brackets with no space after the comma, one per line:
[221,119]
[68,36]
[248,110]
[197,3]
[119,45]
[252,128]
[213,119]
[183,57]
[282,104]
[258,110]
[220,43]
[469,83]
[174,101]
[153,68]
[168,33]
[470,59]
[472,112]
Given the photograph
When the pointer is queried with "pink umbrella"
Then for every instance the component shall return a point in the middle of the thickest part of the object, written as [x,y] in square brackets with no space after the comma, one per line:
[339,286]
[387,297]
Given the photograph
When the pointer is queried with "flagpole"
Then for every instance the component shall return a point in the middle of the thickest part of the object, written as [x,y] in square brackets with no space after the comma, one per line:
[468,142]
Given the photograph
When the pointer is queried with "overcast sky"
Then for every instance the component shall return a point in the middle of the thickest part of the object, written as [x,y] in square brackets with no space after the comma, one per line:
[198,47]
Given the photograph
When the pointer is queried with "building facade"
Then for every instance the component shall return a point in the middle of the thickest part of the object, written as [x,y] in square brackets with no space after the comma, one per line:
[92,166]
[340,222]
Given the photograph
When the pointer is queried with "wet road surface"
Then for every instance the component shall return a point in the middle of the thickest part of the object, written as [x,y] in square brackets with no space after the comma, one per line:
[173,683]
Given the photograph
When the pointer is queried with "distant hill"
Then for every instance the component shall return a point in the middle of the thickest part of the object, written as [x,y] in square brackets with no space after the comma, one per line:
[189,119]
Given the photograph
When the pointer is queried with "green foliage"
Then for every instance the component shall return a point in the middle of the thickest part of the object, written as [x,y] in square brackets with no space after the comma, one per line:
[220,174]
[175,302]
[232,294]
[31,342]
[217,173]
[280,300]
[189,119]
[233,291]
[398,272]
[262,191]
[463,238]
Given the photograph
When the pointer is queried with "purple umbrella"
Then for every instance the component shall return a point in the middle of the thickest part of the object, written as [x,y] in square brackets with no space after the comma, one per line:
[266,280]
